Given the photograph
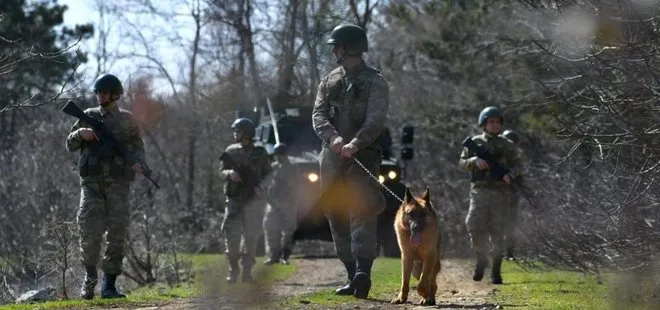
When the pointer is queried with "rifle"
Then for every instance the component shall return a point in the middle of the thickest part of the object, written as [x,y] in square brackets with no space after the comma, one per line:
[250,181]
[497,170]
[107,140]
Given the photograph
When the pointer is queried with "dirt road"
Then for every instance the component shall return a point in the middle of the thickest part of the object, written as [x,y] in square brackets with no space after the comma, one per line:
[456,290]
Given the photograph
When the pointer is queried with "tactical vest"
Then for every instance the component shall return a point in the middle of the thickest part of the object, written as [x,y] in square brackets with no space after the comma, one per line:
[245,189]
[498,150]
[344,89]
[96,162]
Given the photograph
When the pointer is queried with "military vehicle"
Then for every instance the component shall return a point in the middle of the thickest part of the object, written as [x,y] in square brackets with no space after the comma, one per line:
[294,128]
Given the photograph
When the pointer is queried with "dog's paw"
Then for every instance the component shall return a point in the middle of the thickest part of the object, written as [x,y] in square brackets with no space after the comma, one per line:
[427,302]
[398,300]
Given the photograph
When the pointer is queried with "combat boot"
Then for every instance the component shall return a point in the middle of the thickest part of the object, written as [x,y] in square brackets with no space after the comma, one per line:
[274,258]
[496,275]
[362,280]
[91,278]
[286,252]
[232,273]
[509,254]
[482,263]
[247,275]
[348,288]
[108,289]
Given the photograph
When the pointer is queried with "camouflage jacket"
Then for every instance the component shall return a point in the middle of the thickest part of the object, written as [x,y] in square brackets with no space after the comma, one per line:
[93,165]
[254,159]
[284,183]
[501,148]
[352,104]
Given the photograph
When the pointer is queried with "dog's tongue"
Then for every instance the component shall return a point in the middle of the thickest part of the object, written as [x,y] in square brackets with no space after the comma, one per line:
[415,240]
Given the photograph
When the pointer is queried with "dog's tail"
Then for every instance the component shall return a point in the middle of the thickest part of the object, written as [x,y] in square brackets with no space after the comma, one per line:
[417,269]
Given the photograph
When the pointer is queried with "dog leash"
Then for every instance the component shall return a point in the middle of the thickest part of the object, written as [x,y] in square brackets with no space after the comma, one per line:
[373,177]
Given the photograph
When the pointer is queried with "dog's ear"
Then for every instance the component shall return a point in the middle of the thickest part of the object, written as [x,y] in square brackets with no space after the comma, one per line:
[426,197]
[408,197]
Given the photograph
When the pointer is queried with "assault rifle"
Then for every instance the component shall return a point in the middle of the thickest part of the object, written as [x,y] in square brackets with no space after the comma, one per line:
[250,181]
[498,171]
[106,139]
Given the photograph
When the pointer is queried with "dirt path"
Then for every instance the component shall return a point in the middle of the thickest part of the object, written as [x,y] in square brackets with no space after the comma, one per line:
[456,290]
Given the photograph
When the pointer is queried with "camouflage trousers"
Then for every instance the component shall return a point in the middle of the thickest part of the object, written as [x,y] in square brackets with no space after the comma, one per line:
[104,208]
[280,223]
[512,220]
[487,218]
[242,219]
[352,202]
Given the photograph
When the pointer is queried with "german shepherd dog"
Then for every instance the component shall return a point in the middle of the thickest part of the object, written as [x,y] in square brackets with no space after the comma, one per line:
[417,230]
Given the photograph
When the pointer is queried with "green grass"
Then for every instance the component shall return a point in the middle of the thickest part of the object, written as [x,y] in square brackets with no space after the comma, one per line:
[550,289]
[523,289]
[208,270]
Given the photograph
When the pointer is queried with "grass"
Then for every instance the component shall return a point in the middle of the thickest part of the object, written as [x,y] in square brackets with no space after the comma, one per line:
[208,270]
[523,289]
[550,289]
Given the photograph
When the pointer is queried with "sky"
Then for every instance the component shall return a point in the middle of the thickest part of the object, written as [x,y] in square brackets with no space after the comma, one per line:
[84,11]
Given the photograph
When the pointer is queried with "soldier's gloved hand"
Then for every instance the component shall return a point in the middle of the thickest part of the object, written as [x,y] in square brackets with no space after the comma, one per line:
[349,150]
[137,168]
[337,143]
[87,134]
[507,178]
[234,176]
[481,164]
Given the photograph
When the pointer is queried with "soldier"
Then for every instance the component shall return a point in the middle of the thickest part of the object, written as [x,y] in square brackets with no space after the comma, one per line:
[244,208]
[105,179]
[489,197]
[281,219]
[512,219]
[348,116]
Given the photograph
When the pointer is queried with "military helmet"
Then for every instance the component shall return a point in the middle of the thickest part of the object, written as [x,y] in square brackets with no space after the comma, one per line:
[353,37]
[490,112]
[280,148]
[108,82]
[511,135]
[245,125]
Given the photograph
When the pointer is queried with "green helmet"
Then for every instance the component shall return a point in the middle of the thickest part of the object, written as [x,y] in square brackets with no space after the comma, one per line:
[511,135]
[353,37]
[490,112]
[245,125]
[108,82]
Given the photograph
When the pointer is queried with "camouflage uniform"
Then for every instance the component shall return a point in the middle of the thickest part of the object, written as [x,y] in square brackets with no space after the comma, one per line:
[352,104]
[281,218]
[105,179]
[489,197]
[243,211]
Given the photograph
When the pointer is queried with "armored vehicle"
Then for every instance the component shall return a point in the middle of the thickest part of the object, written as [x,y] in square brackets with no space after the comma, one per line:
[294,128]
